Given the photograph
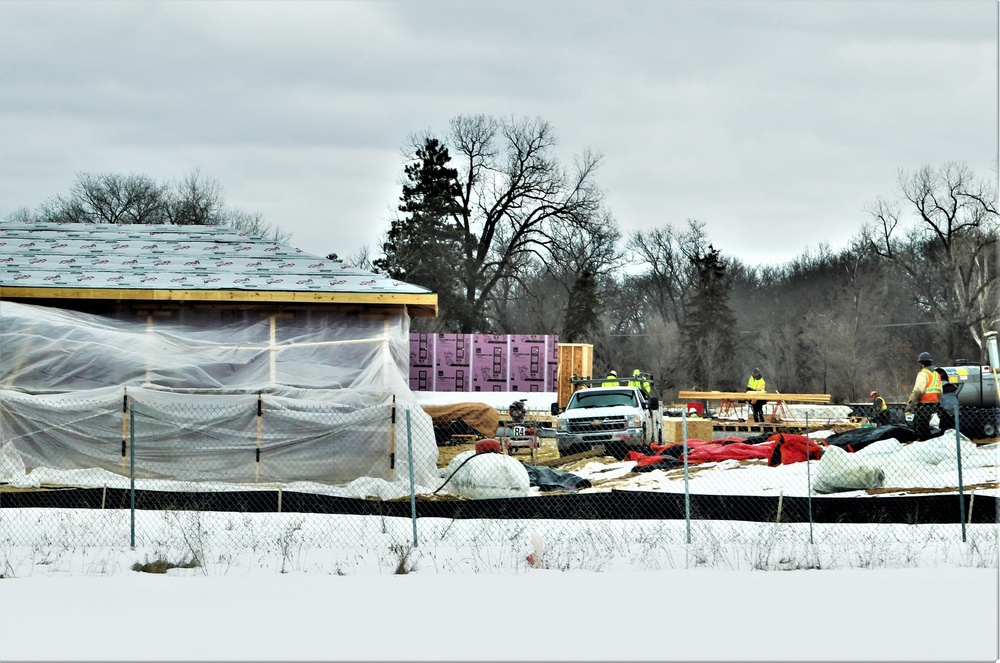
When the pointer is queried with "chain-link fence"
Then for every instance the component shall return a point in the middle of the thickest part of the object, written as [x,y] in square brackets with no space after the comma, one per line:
[212,472]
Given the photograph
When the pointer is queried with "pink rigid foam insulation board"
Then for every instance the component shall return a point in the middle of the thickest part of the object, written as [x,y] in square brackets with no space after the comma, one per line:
[483,362]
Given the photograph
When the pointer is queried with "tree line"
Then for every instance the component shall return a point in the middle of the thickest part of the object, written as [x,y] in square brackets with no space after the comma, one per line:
[514,241]
[117,198]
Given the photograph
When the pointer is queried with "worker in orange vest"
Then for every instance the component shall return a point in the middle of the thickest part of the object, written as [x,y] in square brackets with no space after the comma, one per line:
[924,399]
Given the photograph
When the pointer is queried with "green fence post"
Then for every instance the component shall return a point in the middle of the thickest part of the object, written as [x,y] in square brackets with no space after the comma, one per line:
[961,487]
[413,496]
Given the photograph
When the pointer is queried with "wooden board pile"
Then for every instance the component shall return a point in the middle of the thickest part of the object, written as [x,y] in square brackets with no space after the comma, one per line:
[752,395]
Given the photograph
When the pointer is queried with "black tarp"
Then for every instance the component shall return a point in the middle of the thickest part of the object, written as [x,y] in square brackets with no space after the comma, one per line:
[859,438]
[548,479]
[613,505]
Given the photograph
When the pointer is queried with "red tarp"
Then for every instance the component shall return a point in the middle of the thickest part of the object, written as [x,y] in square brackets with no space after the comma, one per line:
[779,449]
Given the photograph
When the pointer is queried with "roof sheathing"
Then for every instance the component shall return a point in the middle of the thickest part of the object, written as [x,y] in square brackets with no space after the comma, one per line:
[183,263]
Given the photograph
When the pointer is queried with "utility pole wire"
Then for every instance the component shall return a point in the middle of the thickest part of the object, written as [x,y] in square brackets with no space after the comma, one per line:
[892,324]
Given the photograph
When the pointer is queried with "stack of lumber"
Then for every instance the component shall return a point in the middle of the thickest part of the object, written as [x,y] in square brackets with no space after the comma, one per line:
[751,395]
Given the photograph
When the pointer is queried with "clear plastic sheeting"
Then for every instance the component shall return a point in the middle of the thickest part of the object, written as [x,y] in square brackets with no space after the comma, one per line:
[247,395]
[47,349]
[218,437]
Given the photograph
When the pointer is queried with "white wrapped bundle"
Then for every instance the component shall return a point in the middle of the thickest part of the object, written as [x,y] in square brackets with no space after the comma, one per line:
[486,475]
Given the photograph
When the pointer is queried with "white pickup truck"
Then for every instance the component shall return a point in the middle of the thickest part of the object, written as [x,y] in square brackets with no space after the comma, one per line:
[619,419]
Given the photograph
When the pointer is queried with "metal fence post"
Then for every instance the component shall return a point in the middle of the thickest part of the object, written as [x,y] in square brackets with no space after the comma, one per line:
[961,487]
[260,431]
[131,472]
[809,490]
[409,452]
[687,492]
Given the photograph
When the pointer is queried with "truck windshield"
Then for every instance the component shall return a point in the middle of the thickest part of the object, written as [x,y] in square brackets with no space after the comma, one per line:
[602,399]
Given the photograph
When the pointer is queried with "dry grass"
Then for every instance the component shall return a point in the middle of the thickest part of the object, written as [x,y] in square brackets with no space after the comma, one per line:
[161,565]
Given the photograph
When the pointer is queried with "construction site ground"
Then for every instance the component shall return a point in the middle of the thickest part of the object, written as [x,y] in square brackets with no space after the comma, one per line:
[547,452]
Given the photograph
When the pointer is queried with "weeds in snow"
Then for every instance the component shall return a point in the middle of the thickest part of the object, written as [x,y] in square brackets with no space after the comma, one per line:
[161,565]
[217,543]
[402,554]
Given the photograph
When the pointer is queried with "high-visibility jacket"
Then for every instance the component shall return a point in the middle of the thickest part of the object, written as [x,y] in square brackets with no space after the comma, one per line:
[610,381]
[932,386]
[755,384]
[639,383]
[880,404]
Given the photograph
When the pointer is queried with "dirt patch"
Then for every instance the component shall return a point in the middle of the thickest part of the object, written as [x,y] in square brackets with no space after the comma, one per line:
[925,491]
[547,452]
[428,497]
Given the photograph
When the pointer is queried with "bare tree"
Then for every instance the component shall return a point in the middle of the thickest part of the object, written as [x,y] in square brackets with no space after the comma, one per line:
[253,223]
[948,255]
[109,198]
[20,215]
[513,196]
[667,255]
[196,200]
[362,258]
[115,198]
[565,293]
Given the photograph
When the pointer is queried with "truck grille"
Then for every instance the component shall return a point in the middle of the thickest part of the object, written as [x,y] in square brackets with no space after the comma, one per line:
[596,425]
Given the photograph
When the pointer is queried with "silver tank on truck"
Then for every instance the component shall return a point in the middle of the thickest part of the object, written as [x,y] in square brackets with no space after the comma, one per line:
[973,385]
[975,390]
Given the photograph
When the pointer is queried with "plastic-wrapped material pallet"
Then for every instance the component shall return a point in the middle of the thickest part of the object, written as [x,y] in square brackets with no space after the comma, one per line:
[697,428]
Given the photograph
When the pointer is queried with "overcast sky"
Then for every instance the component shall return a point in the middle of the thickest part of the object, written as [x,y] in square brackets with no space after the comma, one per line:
[775,123]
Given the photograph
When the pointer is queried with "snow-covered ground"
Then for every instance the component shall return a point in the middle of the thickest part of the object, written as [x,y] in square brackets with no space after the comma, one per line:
[501,400]
[707,615]
[930,464]
[302,587]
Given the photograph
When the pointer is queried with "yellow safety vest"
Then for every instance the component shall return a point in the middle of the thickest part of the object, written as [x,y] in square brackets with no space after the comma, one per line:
[755,384]
[639,384]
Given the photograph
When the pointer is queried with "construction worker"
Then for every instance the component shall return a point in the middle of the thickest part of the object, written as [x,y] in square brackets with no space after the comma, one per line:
[756,383]
[880,409]
[922,404]
[638,382]
[611,380]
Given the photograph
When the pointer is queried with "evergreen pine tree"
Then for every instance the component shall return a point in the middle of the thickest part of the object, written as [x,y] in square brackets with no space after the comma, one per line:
[424,247]
[581,322]
[710,325]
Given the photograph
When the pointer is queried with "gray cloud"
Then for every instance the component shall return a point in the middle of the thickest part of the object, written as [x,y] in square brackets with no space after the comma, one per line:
[773,122]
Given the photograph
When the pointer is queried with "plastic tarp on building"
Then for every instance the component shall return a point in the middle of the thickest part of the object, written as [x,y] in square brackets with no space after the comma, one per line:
[233,394]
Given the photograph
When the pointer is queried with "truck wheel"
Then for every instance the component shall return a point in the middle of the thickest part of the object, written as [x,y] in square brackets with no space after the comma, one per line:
[990,418]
